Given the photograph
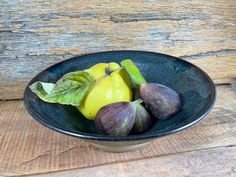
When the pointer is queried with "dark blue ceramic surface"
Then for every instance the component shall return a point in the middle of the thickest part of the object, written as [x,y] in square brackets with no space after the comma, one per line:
[196,89]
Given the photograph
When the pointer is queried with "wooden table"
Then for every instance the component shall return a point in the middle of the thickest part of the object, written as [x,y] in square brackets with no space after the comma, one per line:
[36,34]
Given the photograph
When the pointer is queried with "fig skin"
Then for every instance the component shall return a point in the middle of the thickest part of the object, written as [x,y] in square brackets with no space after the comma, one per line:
[142,121]
[116,119]
[162,101]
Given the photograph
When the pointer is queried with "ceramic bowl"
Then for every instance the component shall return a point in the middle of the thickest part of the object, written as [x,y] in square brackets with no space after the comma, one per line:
[196,89]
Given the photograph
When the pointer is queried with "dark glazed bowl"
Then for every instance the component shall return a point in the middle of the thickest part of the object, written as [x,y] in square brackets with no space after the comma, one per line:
[196,90]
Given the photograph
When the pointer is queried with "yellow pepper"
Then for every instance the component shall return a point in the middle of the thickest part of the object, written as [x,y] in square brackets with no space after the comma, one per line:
[110,87]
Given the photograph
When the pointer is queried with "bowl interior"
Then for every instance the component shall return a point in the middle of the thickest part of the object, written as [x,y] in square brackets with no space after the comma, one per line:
[194,86]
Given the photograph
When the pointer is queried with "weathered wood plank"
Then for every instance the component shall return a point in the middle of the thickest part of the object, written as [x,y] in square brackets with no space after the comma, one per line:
[34,35]
[220,69]
[26,147]
[216,162]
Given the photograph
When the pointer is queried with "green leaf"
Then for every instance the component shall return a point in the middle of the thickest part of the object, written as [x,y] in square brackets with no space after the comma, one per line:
[69,90]
[48,87]
[134,72]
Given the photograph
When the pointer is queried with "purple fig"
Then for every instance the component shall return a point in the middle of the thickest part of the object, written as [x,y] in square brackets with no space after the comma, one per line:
[117,118]
[142,121]
[162,101]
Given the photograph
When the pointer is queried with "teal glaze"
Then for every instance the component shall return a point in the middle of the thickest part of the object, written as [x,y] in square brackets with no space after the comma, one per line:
[195,88]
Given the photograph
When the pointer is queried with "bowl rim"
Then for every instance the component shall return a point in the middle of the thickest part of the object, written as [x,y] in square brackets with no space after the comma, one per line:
[101,137]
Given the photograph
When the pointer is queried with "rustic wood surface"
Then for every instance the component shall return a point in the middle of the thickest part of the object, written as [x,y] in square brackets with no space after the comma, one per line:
[209,162]
[26,147]
[35,34]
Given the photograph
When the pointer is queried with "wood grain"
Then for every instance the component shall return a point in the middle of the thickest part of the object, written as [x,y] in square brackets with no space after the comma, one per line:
[26,147]
[216,162]
[36,34]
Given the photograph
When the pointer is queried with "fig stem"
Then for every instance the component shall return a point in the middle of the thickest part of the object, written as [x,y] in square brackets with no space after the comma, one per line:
[138,101]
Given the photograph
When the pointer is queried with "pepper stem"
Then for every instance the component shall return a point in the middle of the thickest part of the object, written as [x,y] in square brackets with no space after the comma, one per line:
[108,70]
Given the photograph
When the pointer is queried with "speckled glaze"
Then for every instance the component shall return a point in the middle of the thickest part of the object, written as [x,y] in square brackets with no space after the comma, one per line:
[195,88]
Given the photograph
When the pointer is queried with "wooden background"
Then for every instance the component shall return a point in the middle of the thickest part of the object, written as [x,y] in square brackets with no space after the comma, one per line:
[36,34]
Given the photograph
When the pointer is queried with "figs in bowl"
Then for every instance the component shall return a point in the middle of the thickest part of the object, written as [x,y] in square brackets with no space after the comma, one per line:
[194,87]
